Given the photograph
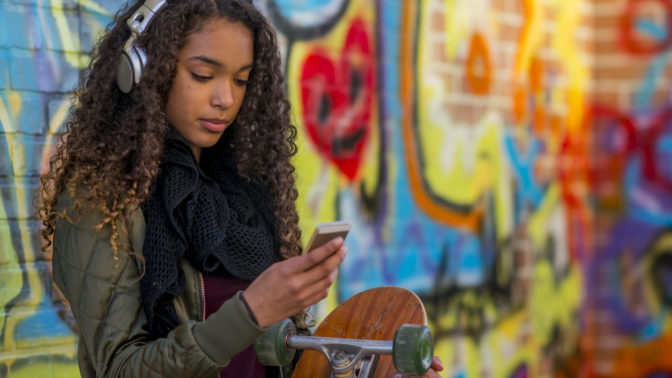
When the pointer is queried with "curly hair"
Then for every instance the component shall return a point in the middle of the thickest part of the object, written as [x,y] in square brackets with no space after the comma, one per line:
[108,157]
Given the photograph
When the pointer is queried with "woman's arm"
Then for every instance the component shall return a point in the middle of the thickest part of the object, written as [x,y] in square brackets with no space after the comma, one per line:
[106,302]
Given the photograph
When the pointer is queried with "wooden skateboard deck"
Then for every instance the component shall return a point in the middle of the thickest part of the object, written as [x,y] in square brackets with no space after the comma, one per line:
[374,314]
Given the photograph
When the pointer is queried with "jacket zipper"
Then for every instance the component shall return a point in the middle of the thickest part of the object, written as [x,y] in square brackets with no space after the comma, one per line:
[200,275]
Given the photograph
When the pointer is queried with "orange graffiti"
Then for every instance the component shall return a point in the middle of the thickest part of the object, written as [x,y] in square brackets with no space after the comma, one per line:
[641,360]
[519,104]
[424,200]
[531,96]
[536,74]
[479,68]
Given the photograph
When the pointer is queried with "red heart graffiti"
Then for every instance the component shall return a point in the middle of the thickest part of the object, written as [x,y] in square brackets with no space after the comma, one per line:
[337,97]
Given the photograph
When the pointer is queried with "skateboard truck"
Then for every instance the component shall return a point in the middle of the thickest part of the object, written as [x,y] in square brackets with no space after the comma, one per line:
[412,350]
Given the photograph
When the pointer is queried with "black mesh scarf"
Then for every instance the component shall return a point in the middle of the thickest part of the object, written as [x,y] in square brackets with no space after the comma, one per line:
[218,221]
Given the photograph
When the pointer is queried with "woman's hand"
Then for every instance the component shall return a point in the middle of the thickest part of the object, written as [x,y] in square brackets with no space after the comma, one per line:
[287,287]
[431,373]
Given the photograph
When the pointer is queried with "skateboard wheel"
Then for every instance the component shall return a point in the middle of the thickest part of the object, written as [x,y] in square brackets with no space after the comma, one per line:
[271,347]
[412,349]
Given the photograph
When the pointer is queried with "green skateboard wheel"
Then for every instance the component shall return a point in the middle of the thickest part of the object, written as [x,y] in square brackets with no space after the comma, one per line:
[271,347]
[412,349]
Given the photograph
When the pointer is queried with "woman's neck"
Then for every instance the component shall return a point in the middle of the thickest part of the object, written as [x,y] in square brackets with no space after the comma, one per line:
[197,153]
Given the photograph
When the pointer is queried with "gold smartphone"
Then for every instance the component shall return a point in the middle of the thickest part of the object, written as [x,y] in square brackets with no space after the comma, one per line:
[324,232]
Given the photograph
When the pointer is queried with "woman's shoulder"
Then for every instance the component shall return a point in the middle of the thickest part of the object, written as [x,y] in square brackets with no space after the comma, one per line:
[81,236]
[90,218]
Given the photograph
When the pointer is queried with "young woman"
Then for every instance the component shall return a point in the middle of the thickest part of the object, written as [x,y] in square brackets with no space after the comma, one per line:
[170,201]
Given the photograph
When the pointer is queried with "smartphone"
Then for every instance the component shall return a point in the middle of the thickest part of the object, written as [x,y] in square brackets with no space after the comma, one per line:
[324,232]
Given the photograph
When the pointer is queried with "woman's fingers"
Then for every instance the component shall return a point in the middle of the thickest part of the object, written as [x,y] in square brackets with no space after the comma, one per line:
[287,287]
[317,255]
[325,268]
[313,285]
[436,364]
[434,368]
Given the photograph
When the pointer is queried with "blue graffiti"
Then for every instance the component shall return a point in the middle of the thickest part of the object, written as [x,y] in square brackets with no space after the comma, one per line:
[646,202]
[656,70]
[528,191]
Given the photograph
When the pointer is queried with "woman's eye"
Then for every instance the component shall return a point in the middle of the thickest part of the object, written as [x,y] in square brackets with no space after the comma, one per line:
[200,78]
[241,82]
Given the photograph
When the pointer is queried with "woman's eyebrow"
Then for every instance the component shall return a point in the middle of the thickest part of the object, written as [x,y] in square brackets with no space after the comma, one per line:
[246,67]
[217,63]
[207,60]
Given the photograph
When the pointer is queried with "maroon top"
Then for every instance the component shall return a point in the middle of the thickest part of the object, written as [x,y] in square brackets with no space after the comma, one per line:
[217,291]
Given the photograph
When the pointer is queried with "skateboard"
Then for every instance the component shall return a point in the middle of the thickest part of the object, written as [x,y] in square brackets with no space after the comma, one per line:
[376,333]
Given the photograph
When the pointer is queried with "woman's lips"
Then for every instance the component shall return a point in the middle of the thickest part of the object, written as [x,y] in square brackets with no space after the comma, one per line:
[214,126]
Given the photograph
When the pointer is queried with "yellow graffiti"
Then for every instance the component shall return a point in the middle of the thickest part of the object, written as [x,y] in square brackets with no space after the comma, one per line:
[55,123]
[531,39]
[578,73]
[70,38]
[53,369]
[456,29]
[462,163]
[10,279]
[460,20]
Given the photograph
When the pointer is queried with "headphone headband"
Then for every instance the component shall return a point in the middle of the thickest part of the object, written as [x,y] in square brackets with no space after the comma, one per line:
[141,18]
[133,59]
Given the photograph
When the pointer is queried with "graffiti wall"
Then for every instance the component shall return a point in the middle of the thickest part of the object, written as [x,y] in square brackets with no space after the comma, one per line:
[507,160]
[43,47]
[437,129]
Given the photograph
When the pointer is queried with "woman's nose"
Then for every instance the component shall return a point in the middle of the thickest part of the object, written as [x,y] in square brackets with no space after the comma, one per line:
[222,96]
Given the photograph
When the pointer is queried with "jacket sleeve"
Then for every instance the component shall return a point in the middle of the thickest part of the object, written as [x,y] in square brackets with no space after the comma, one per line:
[106,302]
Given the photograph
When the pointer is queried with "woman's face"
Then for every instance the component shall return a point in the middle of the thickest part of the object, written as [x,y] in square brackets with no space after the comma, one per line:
[210,83]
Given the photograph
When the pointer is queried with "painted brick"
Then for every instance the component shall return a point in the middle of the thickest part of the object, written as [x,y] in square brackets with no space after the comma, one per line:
[96,20]
[94,25]
[14,252]
[7,253]
[39,28]
[110,7]
[27,152]
[29,187]
[54,112]
[31,118]
[65,4]
[5,32]
[42,71]
[14,271]
[4,67]
[4,158]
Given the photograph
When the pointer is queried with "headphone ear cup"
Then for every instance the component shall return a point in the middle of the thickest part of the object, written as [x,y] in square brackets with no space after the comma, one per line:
[129,69]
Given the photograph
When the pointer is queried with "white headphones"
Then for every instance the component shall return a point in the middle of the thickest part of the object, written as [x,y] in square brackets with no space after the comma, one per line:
[133,58]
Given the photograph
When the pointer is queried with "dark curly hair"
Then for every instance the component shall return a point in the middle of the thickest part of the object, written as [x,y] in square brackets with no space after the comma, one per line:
[113,142]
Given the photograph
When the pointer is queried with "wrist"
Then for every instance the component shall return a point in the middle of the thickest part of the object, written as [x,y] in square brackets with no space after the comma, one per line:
[248,309]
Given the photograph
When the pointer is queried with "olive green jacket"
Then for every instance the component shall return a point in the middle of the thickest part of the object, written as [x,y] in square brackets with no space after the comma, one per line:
[106,301]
